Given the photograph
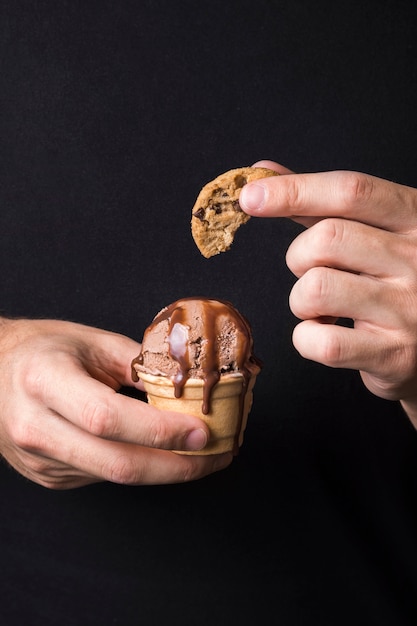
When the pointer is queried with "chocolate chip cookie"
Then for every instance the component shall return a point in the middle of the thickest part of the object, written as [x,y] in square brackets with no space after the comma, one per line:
[216,214]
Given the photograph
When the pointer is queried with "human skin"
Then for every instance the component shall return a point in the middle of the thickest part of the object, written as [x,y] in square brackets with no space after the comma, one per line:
[357,259]
[63,424]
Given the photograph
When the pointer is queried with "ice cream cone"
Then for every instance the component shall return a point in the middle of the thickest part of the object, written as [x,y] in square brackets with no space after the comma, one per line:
[230,404]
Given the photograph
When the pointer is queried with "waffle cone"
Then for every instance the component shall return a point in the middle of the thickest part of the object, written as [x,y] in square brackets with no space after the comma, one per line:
[229,408]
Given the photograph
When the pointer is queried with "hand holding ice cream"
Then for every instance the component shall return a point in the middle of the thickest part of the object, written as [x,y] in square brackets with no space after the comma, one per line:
[62,423]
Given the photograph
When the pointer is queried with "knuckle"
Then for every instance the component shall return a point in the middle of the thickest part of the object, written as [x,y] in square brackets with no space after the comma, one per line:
[33,381]
[330,350]
[355,188]
[159,435]
[319,245]
[123,470]
[328,234]
[294,191]
[189,473]
[24,434]
[316,288]
[99,418]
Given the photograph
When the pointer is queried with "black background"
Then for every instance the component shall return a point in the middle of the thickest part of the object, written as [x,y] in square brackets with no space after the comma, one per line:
[113,115]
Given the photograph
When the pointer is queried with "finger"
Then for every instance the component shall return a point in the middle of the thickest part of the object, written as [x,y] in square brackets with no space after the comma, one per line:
[101,411]
[325,292]
[351,246]
[342,347]
[372,354]
[109,355]
[100,459]
[351,195]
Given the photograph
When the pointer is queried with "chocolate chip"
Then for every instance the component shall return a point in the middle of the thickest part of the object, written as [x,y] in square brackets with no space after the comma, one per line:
[200,213]
[240,181]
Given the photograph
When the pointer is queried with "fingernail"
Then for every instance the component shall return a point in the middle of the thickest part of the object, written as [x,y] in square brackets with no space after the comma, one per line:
[196,440]
[252,197]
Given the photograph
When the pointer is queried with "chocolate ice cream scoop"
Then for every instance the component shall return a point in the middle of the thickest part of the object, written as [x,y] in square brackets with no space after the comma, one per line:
[197,357]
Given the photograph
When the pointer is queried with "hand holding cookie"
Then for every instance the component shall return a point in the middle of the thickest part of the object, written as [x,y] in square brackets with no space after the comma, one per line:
[355,260]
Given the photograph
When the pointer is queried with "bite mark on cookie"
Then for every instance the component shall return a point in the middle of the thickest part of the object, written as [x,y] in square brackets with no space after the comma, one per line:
[217,215]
